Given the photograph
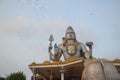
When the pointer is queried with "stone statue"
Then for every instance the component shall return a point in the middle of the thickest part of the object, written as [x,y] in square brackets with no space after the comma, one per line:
[94,69]
[69,47]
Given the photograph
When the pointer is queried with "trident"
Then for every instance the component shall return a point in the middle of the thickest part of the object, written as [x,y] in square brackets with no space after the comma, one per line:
[51,39]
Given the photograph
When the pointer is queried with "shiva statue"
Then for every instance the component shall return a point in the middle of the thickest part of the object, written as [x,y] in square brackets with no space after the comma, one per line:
[94,69]
[70,47]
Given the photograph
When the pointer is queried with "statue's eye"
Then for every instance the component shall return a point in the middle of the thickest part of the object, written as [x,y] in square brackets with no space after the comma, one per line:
[68,35]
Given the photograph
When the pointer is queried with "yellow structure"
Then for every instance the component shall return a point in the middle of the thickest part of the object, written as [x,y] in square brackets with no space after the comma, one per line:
[57,70]
[69,70]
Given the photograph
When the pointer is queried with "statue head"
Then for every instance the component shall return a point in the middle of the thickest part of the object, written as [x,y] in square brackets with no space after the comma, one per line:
[70,34]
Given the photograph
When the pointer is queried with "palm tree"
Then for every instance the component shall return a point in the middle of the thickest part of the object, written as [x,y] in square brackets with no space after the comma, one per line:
[16,76]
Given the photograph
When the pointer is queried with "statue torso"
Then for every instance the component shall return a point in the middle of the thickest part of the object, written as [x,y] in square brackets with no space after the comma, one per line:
[71,50]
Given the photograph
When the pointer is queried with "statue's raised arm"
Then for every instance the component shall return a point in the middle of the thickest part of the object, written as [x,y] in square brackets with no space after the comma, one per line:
[89,54]
[50,47]
[57,52]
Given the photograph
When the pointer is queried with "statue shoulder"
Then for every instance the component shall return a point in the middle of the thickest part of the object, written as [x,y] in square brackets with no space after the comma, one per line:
[81,44]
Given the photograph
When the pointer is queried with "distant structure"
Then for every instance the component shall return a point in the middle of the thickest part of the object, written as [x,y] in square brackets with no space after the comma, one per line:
[78,64]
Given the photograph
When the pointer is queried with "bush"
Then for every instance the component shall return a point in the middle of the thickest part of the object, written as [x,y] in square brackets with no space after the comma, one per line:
[16,76]
[1,78]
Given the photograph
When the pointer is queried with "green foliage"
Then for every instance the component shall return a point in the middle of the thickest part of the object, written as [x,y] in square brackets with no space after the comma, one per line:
[16,76]
[1,78]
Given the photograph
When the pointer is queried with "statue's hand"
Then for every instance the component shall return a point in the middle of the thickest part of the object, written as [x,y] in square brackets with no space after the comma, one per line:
[89,44]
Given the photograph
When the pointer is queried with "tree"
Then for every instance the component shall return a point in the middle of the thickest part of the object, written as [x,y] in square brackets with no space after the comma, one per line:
[2,78]
[16,76]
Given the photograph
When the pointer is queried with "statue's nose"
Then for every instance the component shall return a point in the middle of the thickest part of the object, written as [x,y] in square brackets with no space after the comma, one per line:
[70,35]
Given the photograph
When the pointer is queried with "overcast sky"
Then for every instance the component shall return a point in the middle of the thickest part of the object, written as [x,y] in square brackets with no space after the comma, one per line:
[25,27]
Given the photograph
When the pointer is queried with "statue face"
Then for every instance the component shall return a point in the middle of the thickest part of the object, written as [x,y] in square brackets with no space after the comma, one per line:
[70,34]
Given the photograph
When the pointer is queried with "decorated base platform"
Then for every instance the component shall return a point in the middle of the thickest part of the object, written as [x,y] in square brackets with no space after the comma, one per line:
[70,69]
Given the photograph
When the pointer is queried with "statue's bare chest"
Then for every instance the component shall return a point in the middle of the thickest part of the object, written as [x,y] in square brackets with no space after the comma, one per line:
[71,50]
